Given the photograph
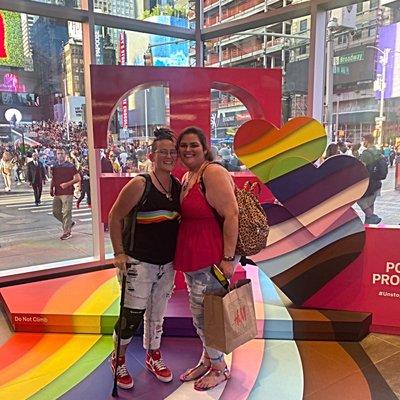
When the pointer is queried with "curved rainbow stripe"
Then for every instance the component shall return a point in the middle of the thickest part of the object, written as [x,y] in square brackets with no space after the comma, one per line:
[270,152]
[151,217]
[53,366]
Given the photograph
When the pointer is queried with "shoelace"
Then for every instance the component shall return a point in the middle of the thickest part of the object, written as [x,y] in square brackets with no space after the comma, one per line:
[159,364]
[122,371]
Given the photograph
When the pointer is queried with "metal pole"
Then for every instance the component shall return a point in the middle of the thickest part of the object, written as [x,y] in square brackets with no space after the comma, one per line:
[316,73]
[329,84]
[145,117]
[199,24]
[337,116]
[23,141]
[383,60]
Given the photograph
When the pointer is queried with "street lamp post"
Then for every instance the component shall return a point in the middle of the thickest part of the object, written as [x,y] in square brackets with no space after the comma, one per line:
[383,60]
[146,117]
[331,27]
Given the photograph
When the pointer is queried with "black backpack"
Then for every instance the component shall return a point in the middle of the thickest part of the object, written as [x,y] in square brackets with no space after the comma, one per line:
[128,232]
[379,169]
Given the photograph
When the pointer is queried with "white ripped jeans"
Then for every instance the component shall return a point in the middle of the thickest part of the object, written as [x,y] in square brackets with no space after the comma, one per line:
[149,286]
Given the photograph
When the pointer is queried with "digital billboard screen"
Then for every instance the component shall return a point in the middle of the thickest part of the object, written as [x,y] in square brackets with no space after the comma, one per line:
[11,47]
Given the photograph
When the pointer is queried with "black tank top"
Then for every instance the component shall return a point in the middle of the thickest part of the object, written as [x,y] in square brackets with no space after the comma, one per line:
[157,226]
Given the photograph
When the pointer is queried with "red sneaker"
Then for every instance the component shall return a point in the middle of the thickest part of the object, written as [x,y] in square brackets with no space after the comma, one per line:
[124,379]
[155,364]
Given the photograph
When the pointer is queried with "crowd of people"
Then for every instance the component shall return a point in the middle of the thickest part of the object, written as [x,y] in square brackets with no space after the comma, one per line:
[377,160]
[124,157]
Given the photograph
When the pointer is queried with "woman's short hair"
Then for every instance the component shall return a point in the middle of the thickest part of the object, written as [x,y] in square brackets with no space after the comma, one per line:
[162,133]
[194,130]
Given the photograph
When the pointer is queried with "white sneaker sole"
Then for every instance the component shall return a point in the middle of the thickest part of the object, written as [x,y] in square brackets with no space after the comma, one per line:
[160,378]
[119,384]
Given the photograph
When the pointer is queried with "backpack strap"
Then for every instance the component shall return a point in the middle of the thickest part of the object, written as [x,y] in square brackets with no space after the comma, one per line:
[201,180]
[134,211]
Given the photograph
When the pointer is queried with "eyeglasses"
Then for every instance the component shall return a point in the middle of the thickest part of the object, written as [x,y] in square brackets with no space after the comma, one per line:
[166,153]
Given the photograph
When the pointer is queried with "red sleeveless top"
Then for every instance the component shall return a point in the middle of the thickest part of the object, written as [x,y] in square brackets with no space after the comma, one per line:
[200,240]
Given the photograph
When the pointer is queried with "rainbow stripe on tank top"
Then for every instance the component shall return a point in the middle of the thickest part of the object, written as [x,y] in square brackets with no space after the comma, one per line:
[153,217]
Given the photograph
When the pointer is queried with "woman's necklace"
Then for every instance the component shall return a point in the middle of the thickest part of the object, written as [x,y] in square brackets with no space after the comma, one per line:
[185,185]
[168,193]
[191,175]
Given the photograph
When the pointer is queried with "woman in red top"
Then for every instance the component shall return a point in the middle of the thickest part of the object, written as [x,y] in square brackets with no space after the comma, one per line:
[204,240]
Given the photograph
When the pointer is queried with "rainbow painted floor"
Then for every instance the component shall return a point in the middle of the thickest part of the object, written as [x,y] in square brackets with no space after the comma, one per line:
[44,364]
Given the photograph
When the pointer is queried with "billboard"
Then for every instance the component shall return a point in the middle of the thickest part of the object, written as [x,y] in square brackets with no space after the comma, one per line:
[389,38]
[74,109]
[11,47]
[165,50]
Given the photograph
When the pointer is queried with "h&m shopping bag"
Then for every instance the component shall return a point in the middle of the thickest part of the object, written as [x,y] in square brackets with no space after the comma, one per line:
[230,318]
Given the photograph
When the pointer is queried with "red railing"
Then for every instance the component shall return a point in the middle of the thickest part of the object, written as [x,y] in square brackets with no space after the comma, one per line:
[240,8]
[231,10]
[235,52]
[209,2]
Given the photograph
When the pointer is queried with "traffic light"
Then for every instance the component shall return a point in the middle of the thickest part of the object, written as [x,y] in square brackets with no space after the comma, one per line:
[377,133]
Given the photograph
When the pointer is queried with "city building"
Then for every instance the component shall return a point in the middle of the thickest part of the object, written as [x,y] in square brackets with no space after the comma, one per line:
[286,45]
[261,48]
[27,21]
[48,37]
[354,70]
[73,69]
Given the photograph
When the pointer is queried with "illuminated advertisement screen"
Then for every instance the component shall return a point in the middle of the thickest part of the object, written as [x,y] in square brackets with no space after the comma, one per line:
[11,48]
[389,38]
[166,51]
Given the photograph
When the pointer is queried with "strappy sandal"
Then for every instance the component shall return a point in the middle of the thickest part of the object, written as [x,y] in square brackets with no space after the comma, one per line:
[217,373]
[185,377]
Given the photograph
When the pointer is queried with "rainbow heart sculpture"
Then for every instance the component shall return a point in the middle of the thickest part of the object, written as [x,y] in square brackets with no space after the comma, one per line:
[310,193]
[314,232]
[270,152]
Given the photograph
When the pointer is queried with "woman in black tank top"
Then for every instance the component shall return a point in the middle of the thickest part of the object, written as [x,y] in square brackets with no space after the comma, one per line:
[157,225]
[150,276]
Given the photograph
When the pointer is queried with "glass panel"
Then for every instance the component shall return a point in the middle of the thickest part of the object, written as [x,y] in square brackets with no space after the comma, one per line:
[141,49]
[284,45]
[365,97]
[133,123]
[42,106]
[353,106]
[65,3]
[227,114]
[172,12]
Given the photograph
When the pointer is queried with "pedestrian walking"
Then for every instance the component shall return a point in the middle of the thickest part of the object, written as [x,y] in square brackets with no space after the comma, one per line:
[36,176]
[64,176]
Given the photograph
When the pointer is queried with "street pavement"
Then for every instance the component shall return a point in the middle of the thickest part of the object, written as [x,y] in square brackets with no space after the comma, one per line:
[29,234]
